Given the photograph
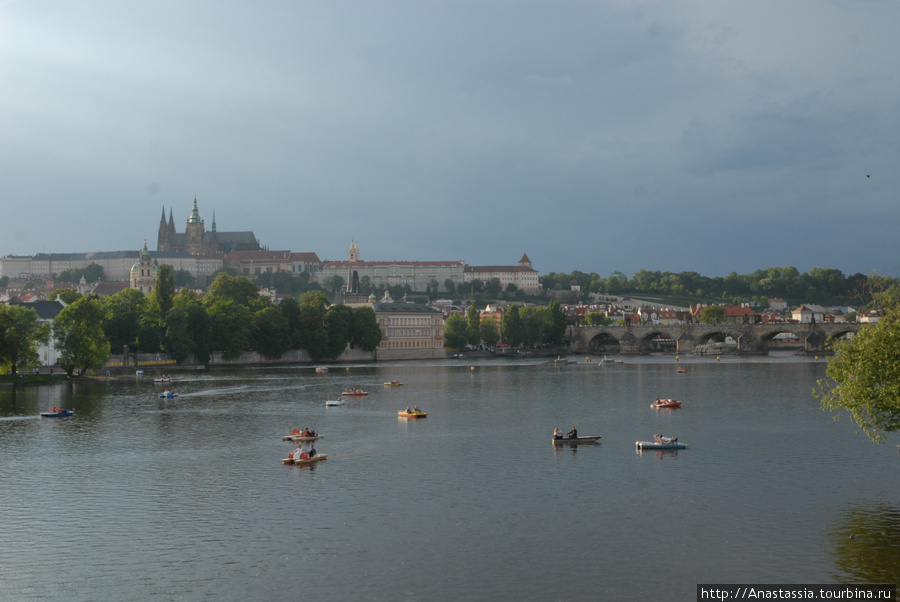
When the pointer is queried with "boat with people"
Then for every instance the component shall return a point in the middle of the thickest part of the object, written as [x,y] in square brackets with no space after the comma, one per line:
[412,413]
[302,461]
[665,403]
[334,402]
[304,435]
[353,391]
[681,370]
[661,442]
[393,383]
[57,413]
[576,440]
[163,379]
[321,369]
[168,394]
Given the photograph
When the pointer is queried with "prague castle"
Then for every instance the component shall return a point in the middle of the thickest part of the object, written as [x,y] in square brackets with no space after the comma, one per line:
[197,241]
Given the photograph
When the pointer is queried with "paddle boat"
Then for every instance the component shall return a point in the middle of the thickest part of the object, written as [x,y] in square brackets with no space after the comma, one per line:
[321,369]
[415,413]
[57,413]
[393,383]
[334,402]
[354,392]
[577,440]
[163,379]
[666,403]
[681,370]
[290,460]
[168,394]
[661,443]
[297,436]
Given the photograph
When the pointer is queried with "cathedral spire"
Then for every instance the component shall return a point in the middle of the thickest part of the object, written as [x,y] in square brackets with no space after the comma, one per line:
[195,213]
[214,221]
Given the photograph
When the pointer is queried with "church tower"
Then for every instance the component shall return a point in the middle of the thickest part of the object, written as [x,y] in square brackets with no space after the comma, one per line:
[194,230]
[162,240]
[143,273]
[354,252]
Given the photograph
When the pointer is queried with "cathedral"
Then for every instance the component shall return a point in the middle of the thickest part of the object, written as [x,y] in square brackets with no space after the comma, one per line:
[197,241]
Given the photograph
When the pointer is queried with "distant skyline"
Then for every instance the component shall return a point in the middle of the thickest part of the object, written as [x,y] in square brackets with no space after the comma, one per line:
[594,136]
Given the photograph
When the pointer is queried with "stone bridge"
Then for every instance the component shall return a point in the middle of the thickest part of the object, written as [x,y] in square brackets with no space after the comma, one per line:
[751,338]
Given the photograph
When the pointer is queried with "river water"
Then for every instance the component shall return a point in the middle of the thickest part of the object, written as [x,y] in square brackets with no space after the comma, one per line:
[137,498]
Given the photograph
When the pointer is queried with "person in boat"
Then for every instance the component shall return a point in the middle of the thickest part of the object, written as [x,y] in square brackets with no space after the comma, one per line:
[573,434]
[416,410]
[408,411]
[557,434]
[312,452]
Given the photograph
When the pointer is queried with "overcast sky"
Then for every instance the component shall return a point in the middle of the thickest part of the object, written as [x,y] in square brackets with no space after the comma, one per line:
[706,136]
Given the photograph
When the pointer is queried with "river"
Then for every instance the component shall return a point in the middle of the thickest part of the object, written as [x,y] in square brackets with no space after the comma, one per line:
[138,498]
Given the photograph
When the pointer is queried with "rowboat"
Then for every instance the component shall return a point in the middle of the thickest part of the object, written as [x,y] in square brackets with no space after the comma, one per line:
[655,445]
[302,462]
[394,383]
[295,436]
[57,414]
[587,439]
[354,392]
[666,403]
[405,414]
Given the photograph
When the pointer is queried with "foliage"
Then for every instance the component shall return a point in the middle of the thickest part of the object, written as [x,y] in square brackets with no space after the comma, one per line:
[80,339]
[231,327]
[338,325]
[21,334]
[183,278]
[123,312]
[366,334]
[271,335]
[199,324]
[714,314]
[595,318]
[455,331]
[473,325]
[236,289]
[91,273]
[490,332]
[820,285]
[511,327]
[66,295]
[862,377]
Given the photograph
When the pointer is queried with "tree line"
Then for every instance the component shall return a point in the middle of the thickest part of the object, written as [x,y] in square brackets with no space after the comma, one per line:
[529,326]
[823,286]
[231,318]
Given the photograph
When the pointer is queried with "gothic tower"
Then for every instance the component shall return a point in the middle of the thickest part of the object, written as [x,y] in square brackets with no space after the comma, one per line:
[162,241]
[194,230]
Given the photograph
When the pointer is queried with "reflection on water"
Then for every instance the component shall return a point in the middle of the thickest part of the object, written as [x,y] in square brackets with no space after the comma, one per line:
[866,543]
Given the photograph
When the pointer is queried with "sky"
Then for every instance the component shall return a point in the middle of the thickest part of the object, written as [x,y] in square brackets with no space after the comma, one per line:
[598,136]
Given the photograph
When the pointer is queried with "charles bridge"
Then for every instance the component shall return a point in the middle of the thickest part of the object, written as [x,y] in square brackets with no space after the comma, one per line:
[696,338]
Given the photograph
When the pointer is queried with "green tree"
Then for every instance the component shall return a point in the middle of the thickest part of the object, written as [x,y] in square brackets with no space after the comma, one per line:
[511,327]
[271,335]
[314,299]
[557,331]
[862,377]
[595,318]
[714,314]
[493,287]
[21,334]
[66,295]
[198,324]
[78,330]
[490,332]
[473,325]
[235,288]
[183,278]
[124,312]
[311,333]
[455,331]
[338,324]
[366,334]
[450,286]
[231,326]
[177,337]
